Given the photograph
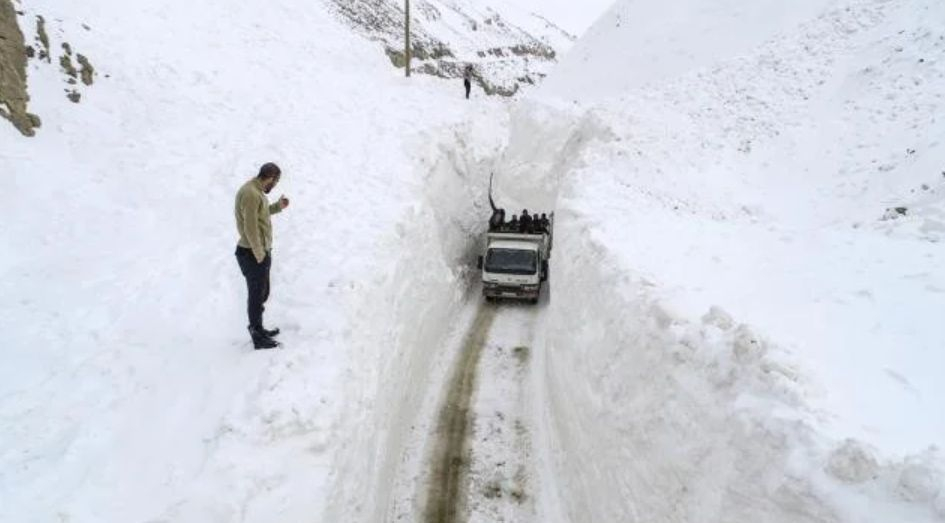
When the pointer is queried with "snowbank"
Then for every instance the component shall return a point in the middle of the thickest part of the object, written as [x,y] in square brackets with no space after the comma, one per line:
[129,389]
[654,417]
[754,184]
[407,316]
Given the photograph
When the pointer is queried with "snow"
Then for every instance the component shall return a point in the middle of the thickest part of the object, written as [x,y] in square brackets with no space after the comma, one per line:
[751,179]
[406,330]
[640,42]
[572,17]
[739,325]
[130,391]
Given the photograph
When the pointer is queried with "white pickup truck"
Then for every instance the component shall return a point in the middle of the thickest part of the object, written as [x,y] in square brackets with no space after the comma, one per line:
[515,264]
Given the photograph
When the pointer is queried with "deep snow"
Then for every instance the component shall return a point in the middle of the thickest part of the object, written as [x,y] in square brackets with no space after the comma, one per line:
[776,173]
[737,329]
[129,390]
[747,184]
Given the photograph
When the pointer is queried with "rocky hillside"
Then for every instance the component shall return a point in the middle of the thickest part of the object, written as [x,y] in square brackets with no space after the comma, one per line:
[27,44]
[13,95]
[507,48]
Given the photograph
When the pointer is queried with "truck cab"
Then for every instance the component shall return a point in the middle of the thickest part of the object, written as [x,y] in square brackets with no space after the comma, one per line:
[515,265]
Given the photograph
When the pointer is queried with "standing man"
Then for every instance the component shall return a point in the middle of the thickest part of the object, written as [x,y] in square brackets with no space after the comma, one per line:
[254,251]
[525,222]
[467,79]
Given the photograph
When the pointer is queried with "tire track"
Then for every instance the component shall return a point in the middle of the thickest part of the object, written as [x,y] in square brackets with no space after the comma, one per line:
[450,463]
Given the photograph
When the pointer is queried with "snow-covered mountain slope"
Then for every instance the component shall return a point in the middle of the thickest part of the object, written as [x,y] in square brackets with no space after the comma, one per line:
[508,48]
[639,42]
[781,187]
[573,17]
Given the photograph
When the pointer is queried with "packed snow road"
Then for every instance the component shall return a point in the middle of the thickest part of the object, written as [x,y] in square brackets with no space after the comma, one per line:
[479,466]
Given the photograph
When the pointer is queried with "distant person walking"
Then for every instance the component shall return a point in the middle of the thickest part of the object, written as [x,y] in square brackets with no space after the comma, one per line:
[254,251]
[467,79]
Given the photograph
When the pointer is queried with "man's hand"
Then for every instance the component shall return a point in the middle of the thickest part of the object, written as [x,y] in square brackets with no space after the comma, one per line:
[283,202]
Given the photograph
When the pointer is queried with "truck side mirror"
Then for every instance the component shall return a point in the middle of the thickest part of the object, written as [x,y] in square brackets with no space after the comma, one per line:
[479,262]
[544,270]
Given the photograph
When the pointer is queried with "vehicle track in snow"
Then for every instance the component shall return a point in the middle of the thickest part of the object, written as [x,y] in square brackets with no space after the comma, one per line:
[480,464]
[450,460]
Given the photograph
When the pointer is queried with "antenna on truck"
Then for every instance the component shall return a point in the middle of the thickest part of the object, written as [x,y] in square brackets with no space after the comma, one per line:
[491,201]
[498,215]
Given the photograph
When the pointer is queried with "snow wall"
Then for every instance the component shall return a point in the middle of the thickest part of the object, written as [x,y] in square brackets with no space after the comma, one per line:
[411,309]
[645,411]
[129,389]
[644,415]
[654,417]
[651,414]
[415,310]
[749,171]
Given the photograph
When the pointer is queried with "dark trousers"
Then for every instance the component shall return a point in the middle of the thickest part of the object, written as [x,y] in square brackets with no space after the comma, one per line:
[468,85]
[257,283]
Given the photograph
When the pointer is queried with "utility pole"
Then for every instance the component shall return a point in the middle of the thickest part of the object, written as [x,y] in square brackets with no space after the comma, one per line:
[407,36]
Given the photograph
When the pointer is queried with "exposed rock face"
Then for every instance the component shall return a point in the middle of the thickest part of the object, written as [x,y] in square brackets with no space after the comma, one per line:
[86,71]
[65,62]
[43,38]
[13,94]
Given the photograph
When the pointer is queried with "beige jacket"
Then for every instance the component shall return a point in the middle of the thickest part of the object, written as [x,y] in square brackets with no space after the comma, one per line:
[252,218]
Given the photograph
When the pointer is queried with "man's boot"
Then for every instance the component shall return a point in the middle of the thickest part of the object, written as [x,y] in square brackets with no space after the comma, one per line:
[260,340]
[272,333]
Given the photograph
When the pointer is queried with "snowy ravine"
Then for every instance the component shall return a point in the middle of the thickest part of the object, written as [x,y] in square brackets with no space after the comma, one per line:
[740,326]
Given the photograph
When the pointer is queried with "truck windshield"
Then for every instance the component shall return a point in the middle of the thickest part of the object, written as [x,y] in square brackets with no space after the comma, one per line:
[511,261]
